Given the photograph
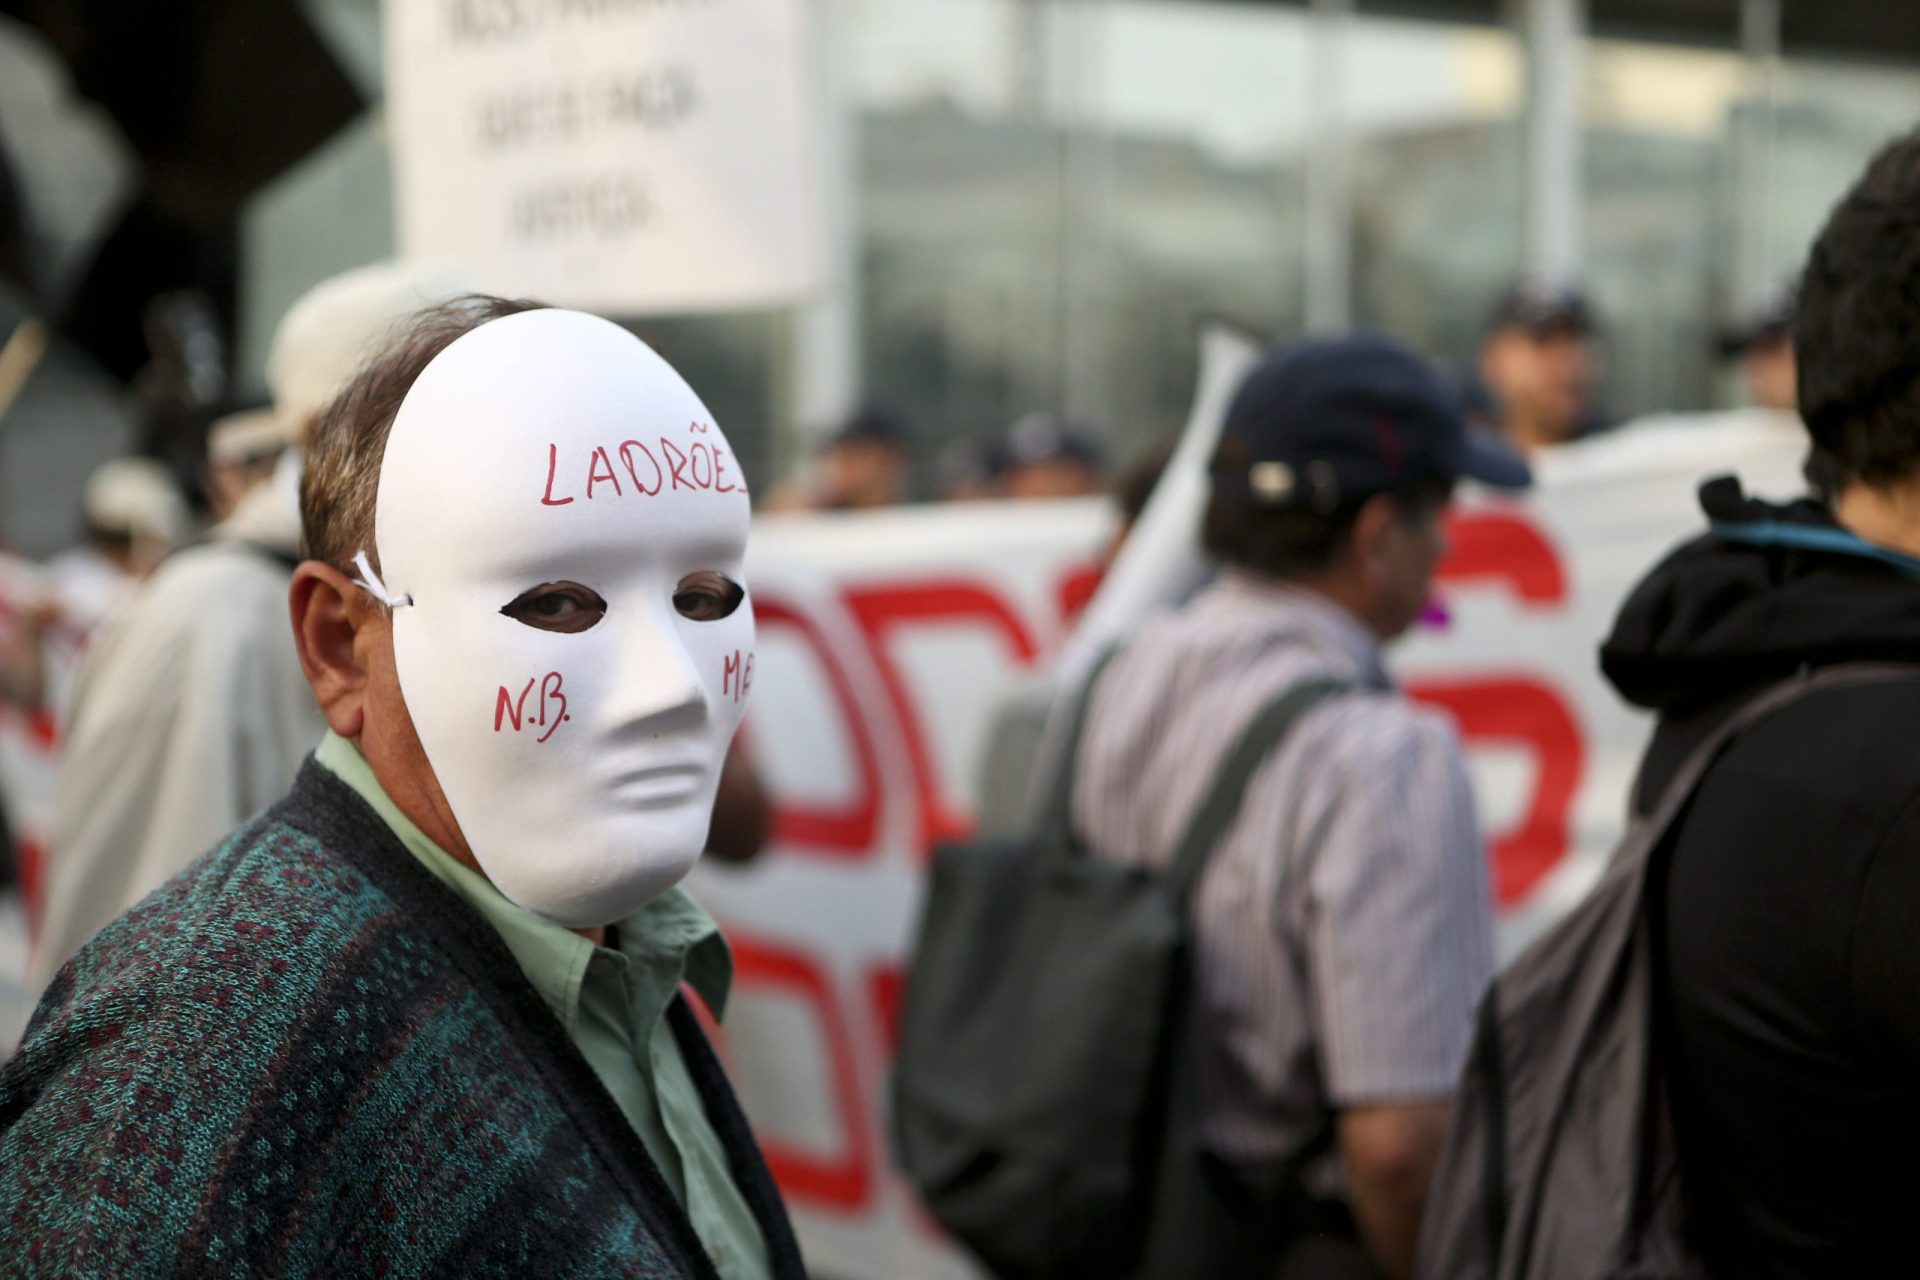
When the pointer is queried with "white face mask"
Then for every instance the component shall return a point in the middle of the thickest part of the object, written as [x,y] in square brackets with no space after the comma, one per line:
[566,524]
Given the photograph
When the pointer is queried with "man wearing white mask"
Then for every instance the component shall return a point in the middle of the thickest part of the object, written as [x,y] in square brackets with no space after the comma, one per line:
[425,1015]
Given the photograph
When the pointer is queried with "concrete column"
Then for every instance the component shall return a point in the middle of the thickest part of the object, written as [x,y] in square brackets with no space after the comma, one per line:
[1555,34]
[825,371]
[1329,195]
[1754,273]
[1086,208]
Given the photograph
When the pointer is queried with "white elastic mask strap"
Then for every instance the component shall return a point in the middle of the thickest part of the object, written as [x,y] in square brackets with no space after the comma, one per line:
[369,581]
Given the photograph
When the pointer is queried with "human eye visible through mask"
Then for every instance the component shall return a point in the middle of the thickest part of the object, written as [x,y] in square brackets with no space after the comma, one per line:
[561,607]
[707,596]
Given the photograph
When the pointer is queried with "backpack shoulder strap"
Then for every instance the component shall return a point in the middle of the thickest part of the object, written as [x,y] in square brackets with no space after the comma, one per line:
[1222,803]
[1056,814]
[1686,780]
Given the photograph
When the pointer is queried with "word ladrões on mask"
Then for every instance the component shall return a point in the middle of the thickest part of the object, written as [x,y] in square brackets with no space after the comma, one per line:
[700,466]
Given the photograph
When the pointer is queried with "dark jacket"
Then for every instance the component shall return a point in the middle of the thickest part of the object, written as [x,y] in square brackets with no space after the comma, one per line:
[1789,918]
[304,1056]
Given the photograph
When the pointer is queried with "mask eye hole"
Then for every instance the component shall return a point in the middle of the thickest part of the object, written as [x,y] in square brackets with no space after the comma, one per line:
[563,607]
[707,596]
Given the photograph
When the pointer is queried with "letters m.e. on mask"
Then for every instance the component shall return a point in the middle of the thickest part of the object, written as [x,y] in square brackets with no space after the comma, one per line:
[568,524]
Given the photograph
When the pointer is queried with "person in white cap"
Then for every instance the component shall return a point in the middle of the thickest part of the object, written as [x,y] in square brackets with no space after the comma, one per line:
[430,1014]
[243,450]
[134,515]
[190,713]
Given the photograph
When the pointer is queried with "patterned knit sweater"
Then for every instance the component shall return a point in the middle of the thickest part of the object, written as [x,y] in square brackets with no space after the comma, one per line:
[304,1056]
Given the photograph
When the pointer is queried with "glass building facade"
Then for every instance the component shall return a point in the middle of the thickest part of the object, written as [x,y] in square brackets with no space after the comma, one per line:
[1039,200]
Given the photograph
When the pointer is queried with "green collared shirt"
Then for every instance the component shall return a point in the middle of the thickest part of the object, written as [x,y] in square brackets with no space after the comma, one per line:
[613,1005]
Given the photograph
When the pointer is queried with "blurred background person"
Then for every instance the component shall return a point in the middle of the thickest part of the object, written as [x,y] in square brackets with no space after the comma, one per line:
[1047,455]
[191,712]
[866,464]
[1763,346]
[243,448]
[963,472]
[1783,910]
[133,515]
[1342,926]
[1537,369]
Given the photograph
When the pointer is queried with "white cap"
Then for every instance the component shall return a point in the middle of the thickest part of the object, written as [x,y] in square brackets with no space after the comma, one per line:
[135,497]
[326,336]
[250,435]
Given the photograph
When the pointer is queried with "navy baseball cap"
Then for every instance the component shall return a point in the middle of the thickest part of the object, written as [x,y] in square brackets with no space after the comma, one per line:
[1329,421]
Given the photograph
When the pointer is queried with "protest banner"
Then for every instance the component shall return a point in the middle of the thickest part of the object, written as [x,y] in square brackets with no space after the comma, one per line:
[886,640]
[627,156]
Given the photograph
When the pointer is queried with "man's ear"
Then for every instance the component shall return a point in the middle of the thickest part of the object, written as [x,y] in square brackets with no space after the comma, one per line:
[1373,532]
[329,614]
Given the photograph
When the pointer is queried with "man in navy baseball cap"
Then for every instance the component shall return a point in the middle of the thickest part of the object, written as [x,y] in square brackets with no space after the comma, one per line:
[1343,924]
[1335,465]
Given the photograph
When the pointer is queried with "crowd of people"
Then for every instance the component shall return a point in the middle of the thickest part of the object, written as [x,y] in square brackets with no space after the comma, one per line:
[435,1002]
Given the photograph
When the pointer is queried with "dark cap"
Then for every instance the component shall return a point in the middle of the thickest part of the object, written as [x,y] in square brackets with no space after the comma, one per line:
[1764,326]
[1329,421]
[1041,437]
[1541,307]
[873,424]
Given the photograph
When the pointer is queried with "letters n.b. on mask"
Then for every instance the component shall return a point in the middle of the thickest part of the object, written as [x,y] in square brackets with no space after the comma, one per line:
[569,524]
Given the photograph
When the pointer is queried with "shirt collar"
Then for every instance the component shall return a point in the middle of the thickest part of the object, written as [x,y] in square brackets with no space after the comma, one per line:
[1304,615]
[672,934]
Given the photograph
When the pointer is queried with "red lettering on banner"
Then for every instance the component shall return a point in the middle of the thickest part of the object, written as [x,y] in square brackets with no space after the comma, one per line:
[42,729]
[698,428]
[701,454]
[32,857]
[882,611]
[1077,588]
[1535,716]
[597,476]
[843,1181]
[842,832]
[886,984]
[1506,548]
[553,461]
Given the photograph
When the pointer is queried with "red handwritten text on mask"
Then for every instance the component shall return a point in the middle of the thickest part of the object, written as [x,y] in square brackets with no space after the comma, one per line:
[650,469]
[549,710]
[736,677]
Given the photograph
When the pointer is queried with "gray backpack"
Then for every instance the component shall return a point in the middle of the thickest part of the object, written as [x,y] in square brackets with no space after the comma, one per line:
[1033,1095]
[1560,1161]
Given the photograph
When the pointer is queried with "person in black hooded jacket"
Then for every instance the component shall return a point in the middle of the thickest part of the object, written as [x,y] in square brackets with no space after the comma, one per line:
[1789,918]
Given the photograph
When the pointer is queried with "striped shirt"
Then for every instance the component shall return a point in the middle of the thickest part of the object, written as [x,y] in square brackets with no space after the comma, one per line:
[1343,927]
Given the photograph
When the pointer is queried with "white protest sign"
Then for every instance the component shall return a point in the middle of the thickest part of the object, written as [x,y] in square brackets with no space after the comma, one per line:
[886,640]
[628,156]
